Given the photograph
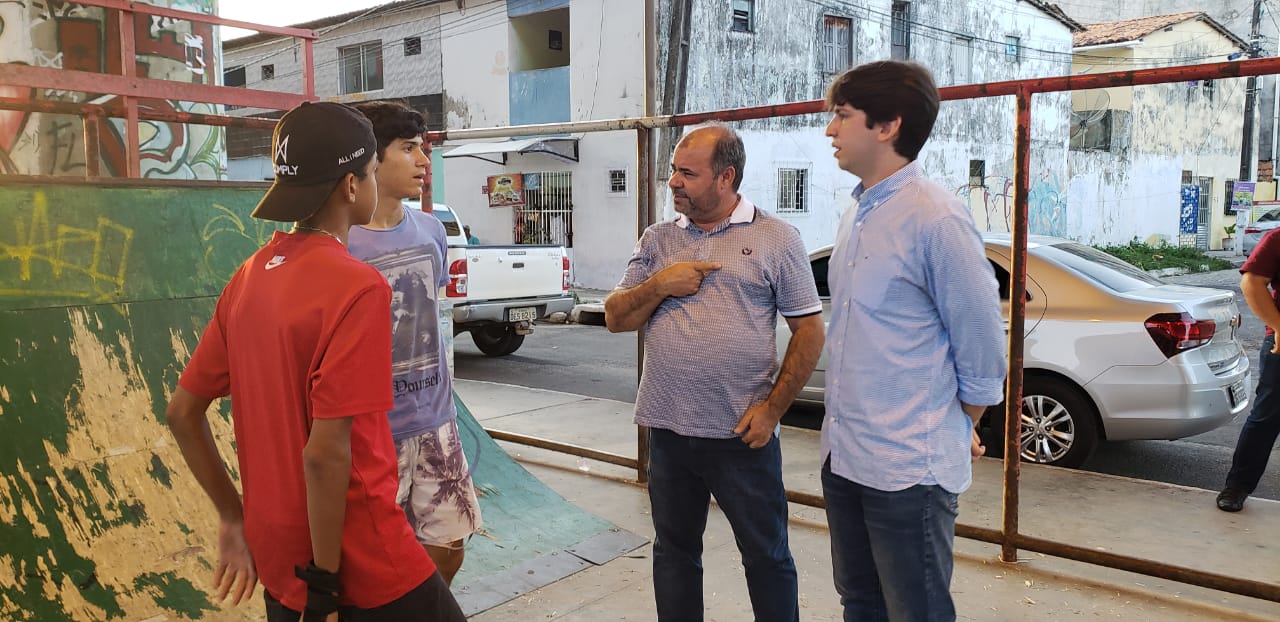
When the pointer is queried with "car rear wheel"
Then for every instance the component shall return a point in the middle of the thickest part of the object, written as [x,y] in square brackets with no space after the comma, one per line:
[497,339]
[1059,427]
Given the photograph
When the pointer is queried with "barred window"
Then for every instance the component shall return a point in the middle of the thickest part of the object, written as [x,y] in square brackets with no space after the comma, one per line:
[793,190]
[268,72]
[617,181]
[412,46]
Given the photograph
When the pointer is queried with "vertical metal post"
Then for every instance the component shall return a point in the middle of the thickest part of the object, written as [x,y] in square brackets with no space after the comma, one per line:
[1250,96]
[428,197]
[92,148]
[308,69]
[129,68]
[645,200]
[1017,328]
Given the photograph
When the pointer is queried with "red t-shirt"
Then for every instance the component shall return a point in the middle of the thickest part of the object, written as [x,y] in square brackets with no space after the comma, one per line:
[303,331]
[1265,261]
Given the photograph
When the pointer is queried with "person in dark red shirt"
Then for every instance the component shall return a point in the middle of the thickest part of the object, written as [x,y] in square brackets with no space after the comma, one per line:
[1260,283]
[301,341]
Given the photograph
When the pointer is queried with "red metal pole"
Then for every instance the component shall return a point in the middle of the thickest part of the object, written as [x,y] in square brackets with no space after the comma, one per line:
[1017,328]
[308,70]
[117,110]
[129,69]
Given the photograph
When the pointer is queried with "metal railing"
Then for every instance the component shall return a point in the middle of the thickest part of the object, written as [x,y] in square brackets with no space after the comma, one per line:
[132,89]
[1008,536]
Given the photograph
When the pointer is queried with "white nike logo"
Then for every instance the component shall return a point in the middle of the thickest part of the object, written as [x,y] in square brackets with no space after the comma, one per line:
[275,262]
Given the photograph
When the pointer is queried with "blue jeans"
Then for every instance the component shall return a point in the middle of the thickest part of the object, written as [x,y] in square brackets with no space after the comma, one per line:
[891,551]
[684,472]
[1258,435]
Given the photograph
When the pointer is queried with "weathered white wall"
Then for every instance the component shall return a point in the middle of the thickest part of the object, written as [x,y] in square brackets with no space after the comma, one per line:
[781,62]
[1133,191]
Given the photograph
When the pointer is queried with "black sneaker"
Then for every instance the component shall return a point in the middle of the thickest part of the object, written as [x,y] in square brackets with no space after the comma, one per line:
[1232,499]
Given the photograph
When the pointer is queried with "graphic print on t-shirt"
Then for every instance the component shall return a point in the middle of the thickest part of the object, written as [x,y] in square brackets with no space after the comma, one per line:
[415,354]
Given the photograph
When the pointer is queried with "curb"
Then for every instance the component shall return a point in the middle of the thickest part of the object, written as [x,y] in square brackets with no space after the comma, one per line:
[591,313]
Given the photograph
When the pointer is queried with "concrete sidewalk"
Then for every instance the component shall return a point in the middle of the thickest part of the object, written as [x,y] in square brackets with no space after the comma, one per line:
[1156,521]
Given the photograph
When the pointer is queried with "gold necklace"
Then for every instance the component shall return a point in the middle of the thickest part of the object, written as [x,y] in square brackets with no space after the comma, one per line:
[297,227]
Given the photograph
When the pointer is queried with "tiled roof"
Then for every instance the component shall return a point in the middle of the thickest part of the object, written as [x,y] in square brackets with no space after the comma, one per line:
[1133,29]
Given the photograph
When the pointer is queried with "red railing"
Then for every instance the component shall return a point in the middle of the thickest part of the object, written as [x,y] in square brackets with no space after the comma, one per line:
[132,89]
[1008,537]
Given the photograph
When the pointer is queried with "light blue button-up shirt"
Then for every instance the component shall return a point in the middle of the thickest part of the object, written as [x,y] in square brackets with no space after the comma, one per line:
[915,330]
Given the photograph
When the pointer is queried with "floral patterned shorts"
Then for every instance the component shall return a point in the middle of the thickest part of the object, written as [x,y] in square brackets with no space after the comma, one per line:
[435,487]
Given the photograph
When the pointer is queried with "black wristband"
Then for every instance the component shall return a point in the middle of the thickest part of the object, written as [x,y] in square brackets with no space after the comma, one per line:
[323,590]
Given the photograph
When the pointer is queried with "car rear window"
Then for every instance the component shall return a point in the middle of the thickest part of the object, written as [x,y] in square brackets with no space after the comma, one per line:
[1270,216]
[450,223]
[1099,267]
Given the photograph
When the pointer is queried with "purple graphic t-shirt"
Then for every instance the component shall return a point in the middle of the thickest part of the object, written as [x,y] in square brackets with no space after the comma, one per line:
[412,255]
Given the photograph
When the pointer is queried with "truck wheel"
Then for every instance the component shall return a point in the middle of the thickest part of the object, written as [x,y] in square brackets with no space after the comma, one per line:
[497,339]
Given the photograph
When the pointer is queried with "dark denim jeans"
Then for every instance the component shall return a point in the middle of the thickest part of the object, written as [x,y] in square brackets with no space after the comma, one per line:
[891,551]
[429,602]
[1258,435]
[684,472]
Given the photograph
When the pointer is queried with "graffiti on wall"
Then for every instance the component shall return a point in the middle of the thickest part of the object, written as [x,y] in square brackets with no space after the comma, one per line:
[77,262]
[992,204]
[61,35]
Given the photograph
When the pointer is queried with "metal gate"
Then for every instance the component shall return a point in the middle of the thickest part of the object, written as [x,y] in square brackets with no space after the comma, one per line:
[547,215]
[1206,200]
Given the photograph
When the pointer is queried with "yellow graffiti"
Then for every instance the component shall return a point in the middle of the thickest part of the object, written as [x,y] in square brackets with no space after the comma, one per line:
[72,253]
[228,222]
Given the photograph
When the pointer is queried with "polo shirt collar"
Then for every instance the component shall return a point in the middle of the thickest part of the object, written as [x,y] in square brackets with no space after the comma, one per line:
[745,212]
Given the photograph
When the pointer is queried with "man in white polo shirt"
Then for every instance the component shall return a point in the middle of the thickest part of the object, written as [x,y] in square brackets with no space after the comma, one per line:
[708,288]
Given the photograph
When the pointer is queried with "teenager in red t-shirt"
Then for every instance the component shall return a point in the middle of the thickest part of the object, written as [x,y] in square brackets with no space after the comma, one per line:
[301,341]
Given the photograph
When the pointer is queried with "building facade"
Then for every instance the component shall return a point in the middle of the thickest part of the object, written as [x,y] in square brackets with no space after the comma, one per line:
[1137,151]
[763,52]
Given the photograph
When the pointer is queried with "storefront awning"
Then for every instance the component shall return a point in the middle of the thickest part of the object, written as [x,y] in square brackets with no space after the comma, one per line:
[496,152]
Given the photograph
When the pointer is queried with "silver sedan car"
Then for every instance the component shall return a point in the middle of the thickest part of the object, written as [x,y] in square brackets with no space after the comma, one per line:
[1111,353]
[1254,231]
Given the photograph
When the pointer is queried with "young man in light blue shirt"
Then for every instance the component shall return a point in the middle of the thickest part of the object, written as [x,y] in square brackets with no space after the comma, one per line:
[916,350]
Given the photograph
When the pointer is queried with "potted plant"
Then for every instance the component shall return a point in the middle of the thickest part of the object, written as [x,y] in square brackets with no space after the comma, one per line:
[1229,238]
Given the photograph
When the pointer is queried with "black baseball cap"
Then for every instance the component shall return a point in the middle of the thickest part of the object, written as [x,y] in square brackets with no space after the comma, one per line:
[314,146]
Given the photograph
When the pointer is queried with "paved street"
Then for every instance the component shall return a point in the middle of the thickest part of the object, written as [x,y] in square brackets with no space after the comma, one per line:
[589,360]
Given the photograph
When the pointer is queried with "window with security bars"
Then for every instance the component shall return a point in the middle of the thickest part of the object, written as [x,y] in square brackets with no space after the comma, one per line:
[900,31]
[617,181]
[793,190]
[268,72]
[743,15]
[412,46]
[837,47]
[360,68]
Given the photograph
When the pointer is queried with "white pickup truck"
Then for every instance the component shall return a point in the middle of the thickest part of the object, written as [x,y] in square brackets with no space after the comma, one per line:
[497,291]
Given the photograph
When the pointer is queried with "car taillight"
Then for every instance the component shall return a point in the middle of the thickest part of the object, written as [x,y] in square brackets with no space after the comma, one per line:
[457,287]
[1252,230]
[565,284]
[1175,333]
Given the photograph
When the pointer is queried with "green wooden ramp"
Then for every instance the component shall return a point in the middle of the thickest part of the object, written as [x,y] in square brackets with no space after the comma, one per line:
[103,294]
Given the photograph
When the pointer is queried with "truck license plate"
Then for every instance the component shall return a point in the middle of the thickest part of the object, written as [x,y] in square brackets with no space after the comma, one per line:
[1237,392]
[522,314]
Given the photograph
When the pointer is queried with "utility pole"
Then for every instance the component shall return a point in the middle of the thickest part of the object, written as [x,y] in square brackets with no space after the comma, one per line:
[1250,96]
